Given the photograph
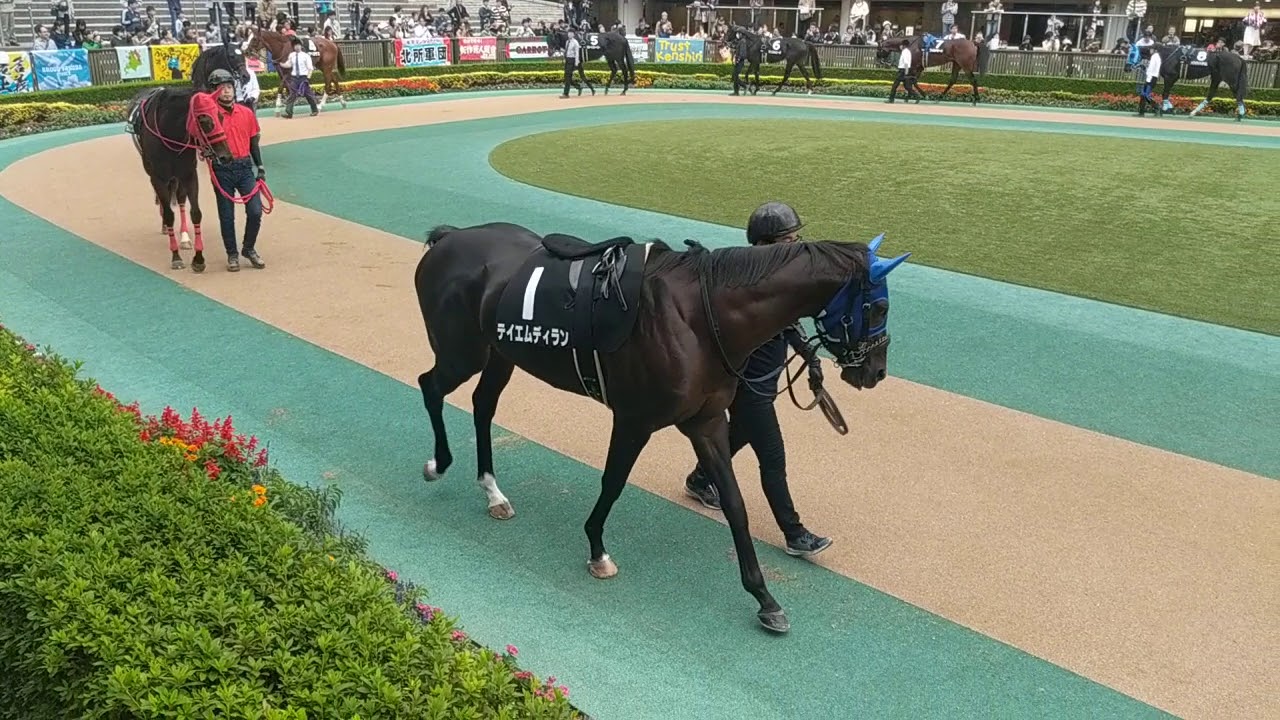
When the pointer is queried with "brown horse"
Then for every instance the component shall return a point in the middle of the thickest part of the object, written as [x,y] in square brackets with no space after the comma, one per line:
[962,54]
[658,336]
[331,64]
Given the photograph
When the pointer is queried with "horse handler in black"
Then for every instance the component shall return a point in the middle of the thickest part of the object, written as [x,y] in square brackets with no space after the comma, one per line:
[237,175]
[573,60]
[753,420]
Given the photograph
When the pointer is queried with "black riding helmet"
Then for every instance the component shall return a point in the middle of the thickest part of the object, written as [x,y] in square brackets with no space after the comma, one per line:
[218,76]
[771,221]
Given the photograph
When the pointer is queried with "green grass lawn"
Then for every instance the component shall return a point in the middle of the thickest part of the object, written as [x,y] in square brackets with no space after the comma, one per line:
[1063,212]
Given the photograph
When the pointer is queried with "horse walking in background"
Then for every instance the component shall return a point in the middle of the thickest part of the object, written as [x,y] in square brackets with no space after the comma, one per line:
[795,52]
[1221,65]
[963,54]
[168,126]
[617,52]
[657,336]
[331,63]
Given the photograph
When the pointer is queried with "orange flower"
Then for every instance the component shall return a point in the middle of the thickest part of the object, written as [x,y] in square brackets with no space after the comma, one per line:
[260,490]
[259,501]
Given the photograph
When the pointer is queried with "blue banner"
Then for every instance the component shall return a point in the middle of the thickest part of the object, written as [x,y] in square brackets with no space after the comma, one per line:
[677,50]
[61,69]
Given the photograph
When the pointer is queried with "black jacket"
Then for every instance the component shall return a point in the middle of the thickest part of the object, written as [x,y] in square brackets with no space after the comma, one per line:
[765,365]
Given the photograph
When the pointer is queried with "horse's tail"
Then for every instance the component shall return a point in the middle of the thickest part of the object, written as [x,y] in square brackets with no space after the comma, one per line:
[437,234]
[628,60]
[984,58]
[813,59]
[1242,81]
[342,62]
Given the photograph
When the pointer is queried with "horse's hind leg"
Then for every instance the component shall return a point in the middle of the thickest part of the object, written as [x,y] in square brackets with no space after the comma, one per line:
[786,75]
[484,403]
[164,196]
[454,366]
[808,87]
[1208,98]
[625,445]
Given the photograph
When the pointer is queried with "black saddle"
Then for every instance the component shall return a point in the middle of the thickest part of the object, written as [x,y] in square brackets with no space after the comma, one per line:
[568,247]
[575,295]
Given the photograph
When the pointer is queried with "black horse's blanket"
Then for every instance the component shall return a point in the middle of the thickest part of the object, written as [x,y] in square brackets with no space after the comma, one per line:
[576,295]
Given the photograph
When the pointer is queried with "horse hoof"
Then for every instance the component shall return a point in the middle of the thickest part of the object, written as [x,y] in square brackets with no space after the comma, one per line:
[602,569]
[177,265]
[429,472]
[775,621]
[197,267]
[502,511]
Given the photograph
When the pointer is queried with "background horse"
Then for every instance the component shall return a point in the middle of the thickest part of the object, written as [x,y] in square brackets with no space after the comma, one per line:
[748,49]
[1221,66]
[656,335]
[796,52]
[168,126]
[617,52]
[226,56]
[331,63]
[963,54]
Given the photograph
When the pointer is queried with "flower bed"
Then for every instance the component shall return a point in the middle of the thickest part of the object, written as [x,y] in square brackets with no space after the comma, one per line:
[25,118]
[159,567]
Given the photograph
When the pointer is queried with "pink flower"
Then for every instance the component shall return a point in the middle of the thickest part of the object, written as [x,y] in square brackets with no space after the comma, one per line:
[391,575]
[459,636]
[512,651]
[524,675]
[564,691]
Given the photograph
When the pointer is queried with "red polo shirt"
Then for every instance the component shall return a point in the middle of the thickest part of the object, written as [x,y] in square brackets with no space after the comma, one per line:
[239,123]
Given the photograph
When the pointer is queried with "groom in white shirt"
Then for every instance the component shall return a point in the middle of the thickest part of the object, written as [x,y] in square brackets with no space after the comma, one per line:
[300,69]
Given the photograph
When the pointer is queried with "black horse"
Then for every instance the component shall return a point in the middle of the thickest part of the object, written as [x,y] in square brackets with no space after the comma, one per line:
[225,56]
[169,125]
[1221,65]
[658,336]
[752,49]
[617,52]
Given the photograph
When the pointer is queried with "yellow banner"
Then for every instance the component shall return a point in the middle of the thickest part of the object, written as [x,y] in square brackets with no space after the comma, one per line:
[161,55]
[15,73]
[678,50]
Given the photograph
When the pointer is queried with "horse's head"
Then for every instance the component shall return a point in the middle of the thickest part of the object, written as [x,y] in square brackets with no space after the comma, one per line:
[854,325]
[204,125]
[235,61]
[886,46]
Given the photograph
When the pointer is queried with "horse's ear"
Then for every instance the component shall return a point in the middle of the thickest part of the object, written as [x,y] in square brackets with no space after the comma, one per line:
[881,268]
[874,245]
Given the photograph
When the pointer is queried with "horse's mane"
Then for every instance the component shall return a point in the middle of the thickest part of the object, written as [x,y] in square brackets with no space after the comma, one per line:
[746,266]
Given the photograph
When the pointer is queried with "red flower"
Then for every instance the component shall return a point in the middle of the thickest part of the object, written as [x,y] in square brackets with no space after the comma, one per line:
[212,469]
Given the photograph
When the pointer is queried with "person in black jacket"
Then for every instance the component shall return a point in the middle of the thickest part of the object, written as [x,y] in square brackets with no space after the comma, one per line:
[753,420]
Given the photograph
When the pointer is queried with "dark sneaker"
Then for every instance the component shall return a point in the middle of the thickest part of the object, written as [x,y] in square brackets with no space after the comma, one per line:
[699,488]
[807,545]
[253,258]
[233,263]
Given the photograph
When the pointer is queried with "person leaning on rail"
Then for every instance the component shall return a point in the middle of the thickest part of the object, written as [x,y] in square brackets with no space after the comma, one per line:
[753,419]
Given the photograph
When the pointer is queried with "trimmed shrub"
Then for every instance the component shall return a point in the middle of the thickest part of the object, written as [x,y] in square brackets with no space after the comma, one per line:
[159,567]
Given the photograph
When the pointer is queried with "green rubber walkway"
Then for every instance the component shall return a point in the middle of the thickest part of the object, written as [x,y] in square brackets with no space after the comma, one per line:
[674,636]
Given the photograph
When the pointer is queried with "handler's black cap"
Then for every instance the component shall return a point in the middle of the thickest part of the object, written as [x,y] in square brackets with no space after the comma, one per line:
[770,221]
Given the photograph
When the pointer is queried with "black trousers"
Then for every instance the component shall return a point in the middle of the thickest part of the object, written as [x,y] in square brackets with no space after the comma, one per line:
[753,421]
[907,81]
[569,67]
[740,80]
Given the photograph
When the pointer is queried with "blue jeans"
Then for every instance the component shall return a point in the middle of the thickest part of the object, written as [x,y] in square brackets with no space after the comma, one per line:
[238,176]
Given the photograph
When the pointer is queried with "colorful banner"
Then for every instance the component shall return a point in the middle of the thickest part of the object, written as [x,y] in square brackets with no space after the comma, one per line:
[173,62]
[639,49]
[521,49]
[15,73]
[134,62]
[61,69]
[477,49]
[677,50]
[422,52]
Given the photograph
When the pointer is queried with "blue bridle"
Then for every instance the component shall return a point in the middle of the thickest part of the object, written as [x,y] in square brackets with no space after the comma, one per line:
[843,325]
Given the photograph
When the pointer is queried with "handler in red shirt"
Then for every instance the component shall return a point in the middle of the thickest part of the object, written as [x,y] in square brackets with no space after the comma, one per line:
[241,126]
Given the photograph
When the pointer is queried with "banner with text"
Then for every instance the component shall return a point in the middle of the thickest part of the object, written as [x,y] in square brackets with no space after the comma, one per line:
[422,52]
[134,62]
[521,49]
[677,50]
[639,48]
[173,62]
[61,69]
[15,73]
[477,49]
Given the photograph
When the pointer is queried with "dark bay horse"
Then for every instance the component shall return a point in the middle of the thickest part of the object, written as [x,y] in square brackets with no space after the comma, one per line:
[656,335]
[1221,65]
[331,63]
[795,52]
[225,56]
[168,126]
[963,54]
[617,52]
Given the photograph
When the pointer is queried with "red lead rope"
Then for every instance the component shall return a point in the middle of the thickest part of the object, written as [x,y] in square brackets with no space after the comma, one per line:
[268,200]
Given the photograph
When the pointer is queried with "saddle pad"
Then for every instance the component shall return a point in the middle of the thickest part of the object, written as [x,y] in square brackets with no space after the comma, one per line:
[557,303]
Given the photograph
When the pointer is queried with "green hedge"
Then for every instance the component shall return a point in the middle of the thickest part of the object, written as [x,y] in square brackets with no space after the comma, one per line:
[1025,83]
[159,568]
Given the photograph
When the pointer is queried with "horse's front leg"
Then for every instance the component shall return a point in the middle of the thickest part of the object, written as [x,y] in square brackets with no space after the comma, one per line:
[710,439]
[786,75]
[625,444]
[955,75]
[484,403]
[1208,98]
[755,68]
[609,83]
